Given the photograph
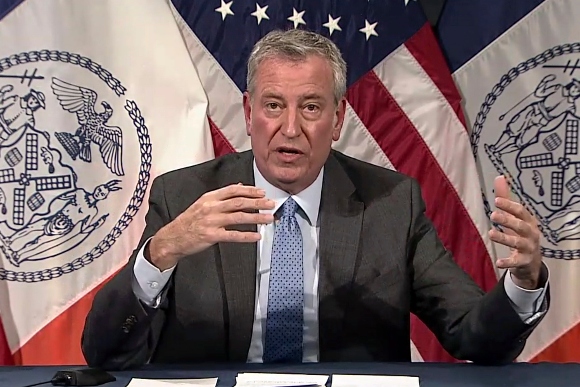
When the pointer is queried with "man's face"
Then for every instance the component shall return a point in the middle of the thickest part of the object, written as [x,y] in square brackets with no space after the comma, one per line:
[292,119]
[100,193]
[33,103]
[574,91]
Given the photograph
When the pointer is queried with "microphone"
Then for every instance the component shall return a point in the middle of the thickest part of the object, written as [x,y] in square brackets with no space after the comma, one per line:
[83,377]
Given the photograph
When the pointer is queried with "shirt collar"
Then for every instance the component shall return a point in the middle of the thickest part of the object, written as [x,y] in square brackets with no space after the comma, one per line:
[308,199]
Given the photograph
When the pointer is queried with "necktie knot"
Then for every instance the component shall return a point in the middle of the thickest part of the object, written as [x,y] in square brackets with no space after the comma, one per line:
[289,207]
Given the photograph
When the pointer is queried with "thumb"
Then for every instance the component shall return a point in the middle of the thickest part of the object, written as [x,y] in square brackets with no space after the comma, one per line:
[507,263]
[501,187]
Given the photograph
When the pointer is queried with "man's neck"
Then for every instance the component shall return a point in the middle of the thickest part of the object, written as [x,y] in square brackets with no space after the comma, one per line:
[308,199]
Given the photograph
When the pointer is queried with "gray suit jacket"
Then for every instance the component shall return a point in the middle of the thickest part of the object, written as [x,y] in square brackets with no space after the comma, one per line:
[380,260]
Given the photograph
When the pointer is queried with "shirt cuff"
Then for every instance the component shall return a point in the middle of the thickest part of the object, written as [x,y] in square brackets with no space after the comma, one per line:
[528,303]
[148,281]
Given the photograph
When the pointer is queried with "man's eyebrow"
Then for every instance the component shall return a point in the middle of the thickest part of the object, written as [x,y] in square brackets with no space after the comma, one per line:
[306,97]
[271,94]
[311,96]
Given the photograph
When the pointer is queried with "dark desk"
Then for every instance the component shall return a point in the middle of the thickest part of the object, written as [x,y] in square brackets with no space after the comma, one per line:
[431,374]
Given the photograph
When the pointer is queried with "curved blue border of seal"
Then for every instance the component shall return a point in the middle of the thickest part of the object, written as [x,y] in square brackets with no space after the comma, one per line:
[490,98]
[144,169]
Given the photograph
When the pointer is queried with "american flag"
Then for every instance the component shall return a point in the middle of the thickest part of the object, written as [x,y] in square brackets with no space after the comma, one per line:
[403,110]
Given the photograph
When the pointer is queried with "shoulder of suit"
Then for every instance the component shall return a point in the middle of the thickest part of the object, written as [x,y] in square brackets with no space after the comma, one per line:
[362,172]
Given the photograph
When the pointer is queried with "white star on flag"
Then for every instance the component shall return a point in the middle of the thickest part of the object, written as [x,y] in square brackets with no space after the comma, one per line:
[369,29]
[225,9]
[332,24]
[296,18]
[260,13]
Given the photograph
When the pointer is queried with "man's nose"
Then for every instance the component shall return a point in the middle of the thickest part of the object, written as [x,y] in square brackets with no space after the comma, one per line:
[291,127]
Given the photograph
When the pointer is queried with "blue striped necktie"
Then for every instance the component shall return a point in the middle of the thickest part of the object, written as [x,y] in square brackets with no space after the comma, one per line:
[284,322]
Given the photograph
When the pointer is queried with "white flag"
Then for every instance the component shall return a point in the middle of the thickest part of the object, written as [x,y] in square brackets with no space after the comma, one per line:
[518,74]
[97,98]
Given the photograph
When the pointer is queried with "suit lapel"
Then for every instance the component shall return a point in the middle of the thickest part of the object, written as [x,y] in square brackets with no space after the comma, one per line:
[238,264]
[341,217]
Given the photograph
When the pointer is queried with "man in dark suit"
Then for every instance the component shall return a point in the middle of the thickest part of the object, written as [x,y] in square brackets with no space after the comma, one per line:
[296,252]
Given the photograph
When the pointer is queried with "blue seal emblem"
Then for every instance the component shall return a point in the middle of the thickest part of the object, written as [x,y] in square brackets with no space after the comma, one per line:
[75,160]
[531,119]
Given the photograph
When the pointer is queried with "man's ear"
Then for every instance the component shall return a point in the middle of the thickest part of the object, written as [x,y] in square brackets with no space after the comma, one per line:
[247,101]
[339,119]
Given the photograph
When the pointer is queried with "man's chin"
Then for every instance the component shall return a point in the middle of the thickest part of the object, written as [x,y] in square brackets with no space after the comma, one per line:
[287,176]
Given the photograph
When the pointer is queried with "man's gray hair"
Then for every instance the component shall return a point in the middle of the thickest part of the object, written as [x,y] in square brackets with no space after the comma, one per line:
[298,44]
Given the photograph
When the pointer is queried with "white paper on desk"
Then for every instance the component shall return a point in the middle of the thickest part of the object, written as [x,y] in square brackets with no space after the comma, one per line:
[274,380]
[192,382]
[135,382]
[374,380]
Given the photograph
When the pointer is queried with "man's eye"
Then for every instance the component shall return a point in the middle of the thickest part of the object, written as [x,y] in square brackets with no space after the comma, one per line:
[311,107]
[272,105]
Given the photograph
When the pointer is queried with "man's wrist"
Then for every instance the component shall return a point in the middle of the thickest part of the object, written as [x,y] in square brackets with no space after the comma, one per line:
[531,281]
[529,284]
[159,255]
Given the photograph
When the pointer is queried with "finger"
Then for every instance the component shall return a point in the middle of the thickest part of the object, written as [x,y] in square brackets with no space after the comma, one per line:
[507,263]
[514,225]
[515,209]
[523,245]
[238,236]
[501,187]
[236,190]
[242,203]
[521,263]
[223,220]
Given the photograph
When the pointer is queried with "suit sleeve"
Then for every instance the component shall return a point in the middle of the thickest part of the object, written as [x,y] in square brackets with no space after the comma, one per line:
[470,324]
[120,331]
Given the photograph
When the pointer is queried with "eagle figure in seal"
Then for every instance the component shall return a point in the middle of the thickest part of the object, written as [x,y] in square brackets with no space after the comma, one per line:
[93,126]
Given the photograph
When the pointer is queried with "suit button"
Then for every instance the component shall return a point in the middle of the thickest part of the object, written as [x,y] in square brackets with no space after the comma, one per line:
[129,322]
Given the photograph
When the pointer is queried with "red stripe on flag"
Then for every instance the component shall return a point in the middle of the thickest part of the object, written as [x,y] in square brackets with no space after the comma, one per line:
[563,350]
[425,48]
[59,342]
[409,154]
[221,145]
[5,353]
[427,343]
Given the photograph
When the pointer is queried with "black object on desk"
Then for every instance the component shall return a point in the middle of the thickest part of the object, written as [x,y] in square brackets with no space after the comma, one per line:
[82,377]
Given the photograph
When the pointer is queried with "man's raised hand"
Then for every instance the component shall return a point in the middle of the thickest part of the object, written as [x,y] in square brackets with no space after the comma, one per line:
[206,222]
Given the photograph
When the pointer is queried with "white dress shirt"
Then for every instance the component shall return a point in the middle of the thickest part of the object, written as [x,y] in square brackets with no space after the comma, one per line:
[148,281]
